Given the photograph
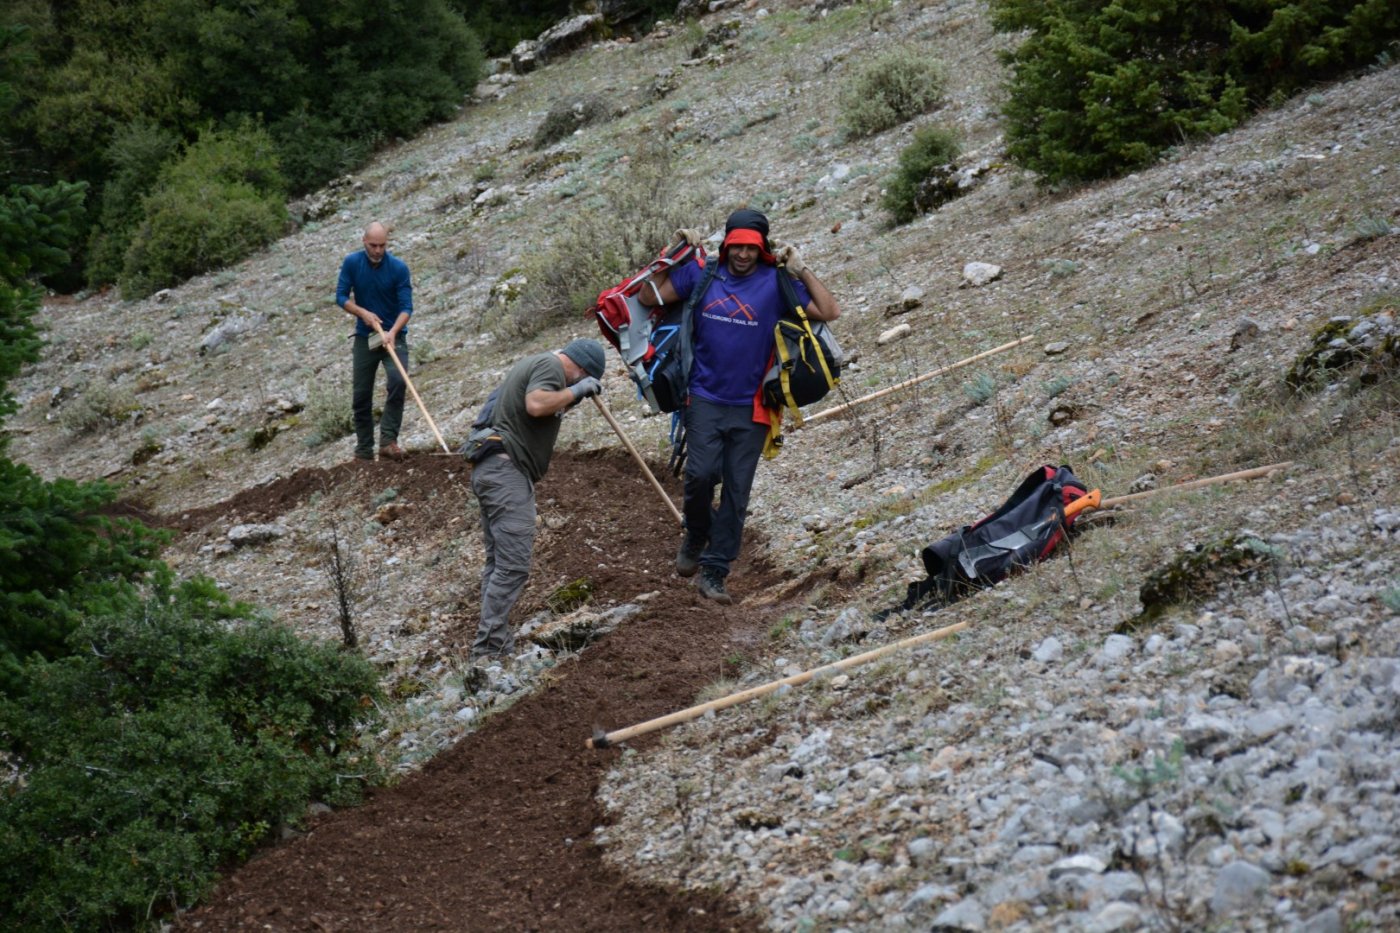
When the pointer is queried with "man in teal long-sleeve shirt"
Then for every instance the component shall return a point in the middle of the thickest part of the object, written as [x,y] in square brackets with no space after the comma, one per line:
[382,295]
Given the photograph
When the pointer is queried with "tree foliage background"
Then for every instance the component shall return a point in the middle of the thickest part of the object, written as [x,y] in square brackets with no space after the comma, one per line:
[151,731]
[115,93]
[1099,89]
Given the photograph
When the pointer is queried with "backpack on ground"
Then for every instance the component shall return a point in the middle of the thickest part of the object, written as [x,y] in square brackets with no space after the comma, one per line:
[654,342]
[1025,530]
[807,363]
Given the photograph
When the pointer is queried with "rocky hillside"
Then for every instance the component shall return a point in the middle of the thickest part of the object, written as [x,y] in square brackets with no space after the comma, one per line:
[1066,762]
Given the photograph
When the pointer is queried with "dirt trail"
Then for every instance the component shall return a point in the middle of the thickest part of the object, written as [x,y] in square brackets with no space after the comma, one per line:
[495,834]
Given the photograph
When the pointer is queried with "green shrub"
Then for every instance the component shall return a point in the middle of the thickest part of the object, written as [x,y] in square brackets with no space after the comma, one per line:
[328,413]
[568,114]
[98,406]
[607,236]
[892,89]
[981,388]
[136,155]
[217,203]
[170,745]
[924,177]
[61,560]
[1102,89]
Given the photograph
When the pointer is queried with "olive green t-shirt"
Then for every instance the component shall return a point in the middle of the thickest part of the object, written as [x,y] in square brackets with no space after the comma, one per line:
[529,440]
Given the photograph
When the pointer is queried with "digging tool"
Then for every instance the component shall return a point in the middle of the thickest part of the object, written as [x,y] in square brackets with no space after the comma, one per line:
[916,380]
[638,457]
[603,739]
[394,355]
[1254,473]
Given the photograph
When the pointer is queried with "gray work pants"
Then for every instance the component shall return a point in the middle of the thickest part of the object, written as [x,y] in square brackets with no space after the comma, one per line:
[507,500]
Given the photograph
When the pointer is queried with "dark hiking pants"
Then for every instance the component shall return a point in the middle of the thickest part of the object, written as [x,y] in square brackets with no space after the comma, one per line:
[366,363]
[723,444]
[507,500]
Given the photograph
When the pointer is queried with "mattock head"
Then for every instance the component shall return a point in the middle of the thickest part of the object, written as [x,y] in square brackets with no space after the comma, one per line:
[600,738]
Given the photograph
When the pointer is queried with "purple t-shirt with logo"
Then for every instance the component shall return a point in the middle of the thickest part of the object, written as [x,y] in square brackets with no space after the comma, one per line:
[734,324]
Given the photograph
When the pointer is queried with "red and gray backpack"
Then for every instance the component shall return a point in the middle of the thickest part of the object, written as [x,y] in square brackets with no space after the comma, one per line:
[654,341]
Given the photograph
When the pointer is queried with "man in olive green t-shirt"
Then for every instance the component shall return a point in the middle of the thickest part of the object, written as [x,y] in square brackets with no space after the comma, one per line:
[524,425]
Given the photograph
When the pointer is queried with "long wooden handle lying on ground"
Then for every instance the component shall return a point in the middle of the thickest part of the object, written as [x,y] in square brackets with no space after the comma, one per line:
[1198,483]
[916,380]
[638,457]
[734,699]
[394,355]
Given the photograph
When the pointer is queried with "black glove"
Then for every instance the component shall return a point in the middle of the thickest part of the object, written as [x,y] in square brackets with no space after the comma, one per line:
[587,387]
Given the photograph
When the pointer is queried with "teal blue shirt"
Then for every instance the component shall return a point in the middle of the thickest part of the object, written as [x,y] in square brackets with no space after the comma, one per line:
[385,289]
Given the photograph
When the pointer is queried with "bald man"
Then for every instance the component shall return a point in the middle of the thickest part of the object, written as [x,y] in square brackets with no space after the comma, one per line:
[375,289]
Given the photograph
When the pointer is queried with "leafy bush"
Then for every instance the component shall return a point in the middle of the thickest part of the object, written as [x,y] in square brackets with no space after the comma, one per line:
[136,155]
[216,204]
[1101,89]
[924,174]
[328,412]
[171,744]
[568,114]
[892,89]
[606,237]
[61,560]
[98,406]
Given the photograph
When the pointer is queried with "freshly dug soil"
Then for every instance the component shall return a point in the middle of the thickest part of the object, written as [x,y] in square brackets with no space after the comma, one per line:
[495,834]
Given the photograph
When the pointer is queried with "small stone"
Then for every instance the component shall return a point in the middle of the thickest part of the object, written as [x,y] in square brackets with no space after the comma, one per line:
[977,274]
[1238,885]
[1049,650]
[1077,865]
[1116,916]
[897,332]
[1056,348]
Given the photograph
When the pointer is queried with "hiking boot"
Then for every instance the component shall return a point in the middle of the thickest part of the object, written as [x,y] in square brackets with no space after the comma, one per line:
[392,452]
[688,557]
[364,455]
[711,586]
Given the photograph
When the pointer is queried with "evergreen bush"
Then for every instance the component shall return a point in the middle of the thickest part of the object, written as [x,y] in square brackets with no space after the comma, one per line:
[893,89]
[136,155]
[62,560]
[907,194]
[171,744]
[221,200]
[1101,89]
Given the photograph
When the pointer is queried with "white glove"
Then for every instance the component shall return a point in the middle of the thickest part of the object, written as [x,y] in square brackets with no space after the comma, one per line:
[689,236]
[788,256]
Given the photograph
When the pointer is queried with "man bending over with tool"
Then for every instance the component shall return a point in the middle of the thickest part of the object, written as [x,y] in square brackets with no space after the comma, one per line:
[726,423]
[383,295]
[522,426]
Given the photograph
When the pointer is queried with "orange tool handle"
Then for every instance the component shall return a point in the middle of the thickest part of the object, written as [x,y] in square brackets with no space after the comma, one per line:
[1090,500]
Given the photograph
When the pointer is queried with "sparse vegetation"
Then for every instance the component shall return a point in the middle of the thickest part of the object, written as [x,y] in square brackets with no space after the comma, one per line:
[890,90]
[568,115]
[328,413]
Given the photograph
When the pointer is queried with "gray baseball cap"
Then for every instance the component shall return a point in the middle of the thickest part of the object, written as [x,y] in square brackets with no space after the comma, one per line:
[587,355]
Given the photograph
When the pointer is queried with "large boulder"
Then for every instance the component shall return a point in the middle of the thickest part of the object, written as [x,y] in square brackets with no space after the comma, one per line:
[566,35]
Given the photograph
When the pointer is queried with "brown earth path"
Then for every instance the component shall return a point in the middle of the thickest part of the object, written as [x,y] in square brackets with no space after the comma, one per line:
[495,834]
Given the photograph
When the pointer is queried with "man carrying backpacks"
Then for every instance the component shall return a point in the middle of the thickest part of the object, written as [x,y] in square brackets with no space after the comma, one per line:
[510,454]
[726,423]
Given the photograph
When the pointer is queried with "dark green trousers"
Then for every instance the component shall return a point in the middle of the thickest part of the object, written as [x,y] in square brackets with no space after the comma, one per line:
[366,363]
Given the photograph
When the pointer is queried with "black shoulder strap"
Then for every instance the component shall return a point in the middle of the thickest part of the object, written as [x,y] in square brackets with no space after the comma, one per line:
[791,306]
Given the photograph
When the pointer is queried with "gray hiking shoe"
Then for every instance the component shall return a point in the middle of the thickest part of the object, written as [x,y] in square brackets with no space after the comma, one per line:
[688,557]
[711,586]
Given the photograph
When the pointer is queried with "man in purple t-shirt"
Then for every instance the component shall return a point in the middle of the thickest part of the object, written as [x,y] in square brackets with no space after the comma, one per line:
[725,421]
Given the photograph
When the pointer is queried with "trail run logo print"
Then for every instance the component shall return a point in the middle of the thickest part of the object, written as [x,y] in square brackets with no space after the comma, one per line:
[728,309]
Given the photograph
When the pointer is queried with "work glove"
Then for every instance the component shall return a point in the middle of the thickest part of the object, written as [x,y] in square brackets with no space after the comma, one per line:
[688,235]
[587,387]
[787,255]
